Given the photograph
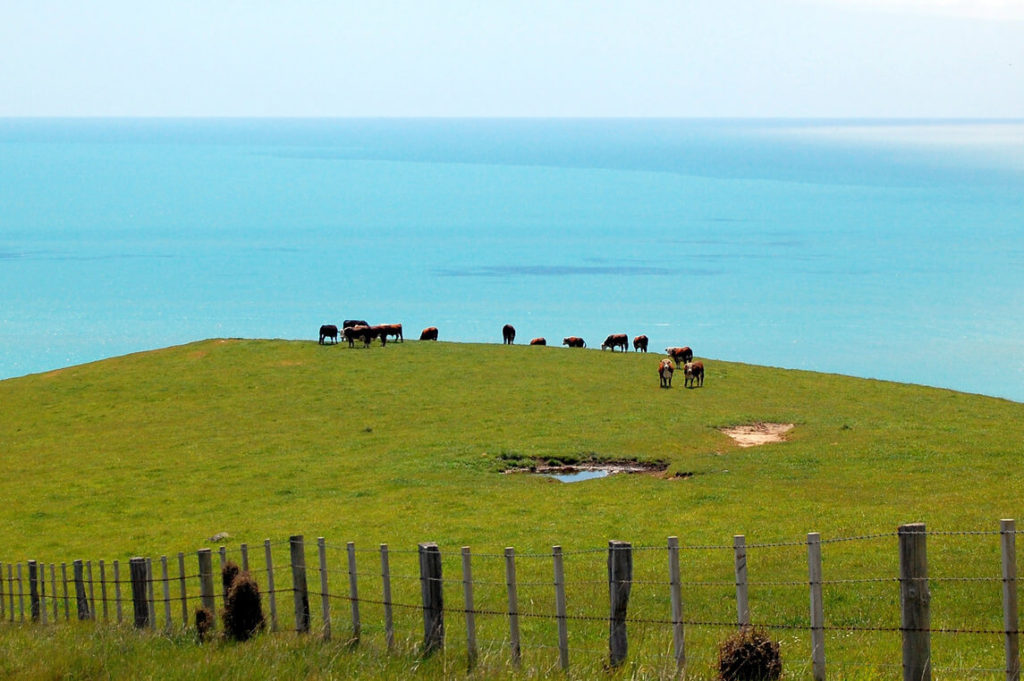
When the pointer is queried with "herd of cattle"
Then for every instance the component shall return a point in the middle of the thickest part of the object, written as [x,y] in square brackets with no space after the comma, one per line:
[353,330]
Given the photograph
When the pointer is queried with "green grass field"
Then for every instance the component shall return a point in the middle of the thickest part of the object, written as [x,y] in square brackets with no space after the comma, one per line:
[153,453]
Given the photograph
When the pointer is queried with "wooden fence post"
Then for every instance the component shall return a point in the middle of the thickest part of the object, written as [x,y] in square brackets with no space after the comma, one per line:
[244,548]
[513,606]
[353,591]
[10,590]
[432,591]
[3,595]
[915,618]
[67,600]
[1008,537]
[42,592]
[53,589]
[385,574]
[92,589]
[271,593]
[223,553]
[117,590]
[325,599]
[678,634]
[560,609]
[80,595]
[103,591]
[467,597]
[184,591]
[301,592]
[150,599]
[817,606]
[33,590]
[167,592]
[206,592]
[140,593]
[739,544]
[620,580]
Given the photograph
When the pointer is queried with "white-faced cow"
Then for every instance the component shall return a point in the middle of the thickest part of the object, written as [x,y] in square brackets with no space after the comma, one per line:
[665,371]
[616,340]
[680,355]
[328,331]
[693,374]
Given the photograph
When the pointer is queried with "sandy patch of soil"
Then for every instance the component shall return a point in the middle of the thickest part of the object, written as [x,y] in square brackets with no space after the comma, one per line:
[755,434]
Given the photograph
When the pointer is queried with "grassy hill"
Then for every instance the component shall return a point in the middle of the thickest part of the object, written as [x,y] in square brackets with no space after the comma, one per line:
[154,453]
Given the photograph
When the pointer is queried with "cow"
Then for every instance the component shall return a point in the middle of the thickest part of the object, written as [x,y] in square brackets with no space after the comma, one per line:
[680,355]
[574,342]
[429,333]
[640,343]
[353,323]
[328,331]
[693,374]
[539,341]
[616,340]
[394,330]
[508,334]
[665,371]
[380,331]
[354,333]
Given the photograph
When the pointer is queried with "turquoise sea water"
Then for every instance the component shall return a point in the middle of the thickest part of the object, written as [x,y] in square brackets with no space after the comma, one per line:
[884,249]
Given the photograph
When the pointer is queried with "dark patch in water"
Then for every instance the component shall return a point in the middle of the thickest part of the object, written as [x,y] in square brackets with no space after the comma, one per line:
[568,271]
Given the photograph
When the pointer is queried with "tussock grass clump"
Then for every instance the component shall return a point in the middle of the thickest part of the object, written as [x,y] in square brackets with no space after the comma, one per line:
[243,610]
[749,655]
[204,624]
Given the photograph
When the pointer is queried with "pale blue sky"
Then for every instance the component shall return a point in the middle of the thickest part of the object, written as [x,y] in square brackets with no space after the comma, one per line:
[778,58]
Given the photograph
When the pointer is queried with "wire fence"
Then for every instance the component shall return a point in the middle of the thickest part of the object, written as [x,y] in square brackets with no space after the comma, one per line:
[875,601]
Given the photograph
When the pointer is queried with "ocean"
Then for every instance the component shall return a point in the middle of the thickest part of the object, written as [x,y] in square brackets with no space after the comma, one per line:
[882,249]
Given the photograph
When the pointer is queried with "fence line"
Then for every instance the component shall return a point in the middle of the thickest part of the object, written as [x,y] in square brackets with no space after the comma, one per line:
[152,598]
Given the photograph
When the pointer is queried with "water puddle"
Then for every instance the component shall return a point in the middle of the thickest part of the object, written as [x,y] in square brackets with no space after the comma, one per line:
[587,471]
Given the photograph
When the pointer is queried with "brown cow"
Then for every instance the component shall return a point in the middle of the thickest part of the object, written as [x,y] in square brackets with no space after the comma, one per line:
[574,342]
[680,355]
[616,340]
[354,333]
[539,341]
[429,333]
[665,371]
[380,331]
[508,334]
[393,330]
[640,343]
[693,374]
[328,331]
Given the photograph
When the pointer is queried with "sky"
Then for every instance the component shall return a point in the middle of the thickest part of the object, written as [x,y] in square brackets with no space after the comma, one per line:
[497,58]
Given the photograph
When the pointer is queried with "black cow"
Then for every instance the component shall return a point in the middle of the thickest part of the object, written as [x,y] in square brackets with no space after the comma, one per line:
[328,331]
[508,334]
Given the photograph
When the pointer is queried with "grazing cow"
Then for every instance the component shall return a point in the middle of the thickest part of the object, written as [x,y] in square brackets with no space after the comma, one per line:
[353,323]
[616,340]
[328,331]
[354,333]
[574,342]
[665,371]
[640,343]
[539,341]
[693,374]
[508,334]
[394,330]
[429,333]
[680,355]
[380,331]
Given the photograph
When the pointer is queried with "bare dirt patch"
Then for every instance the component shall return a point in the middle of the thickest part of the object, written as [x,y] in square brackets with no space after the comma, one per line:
[754,434]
